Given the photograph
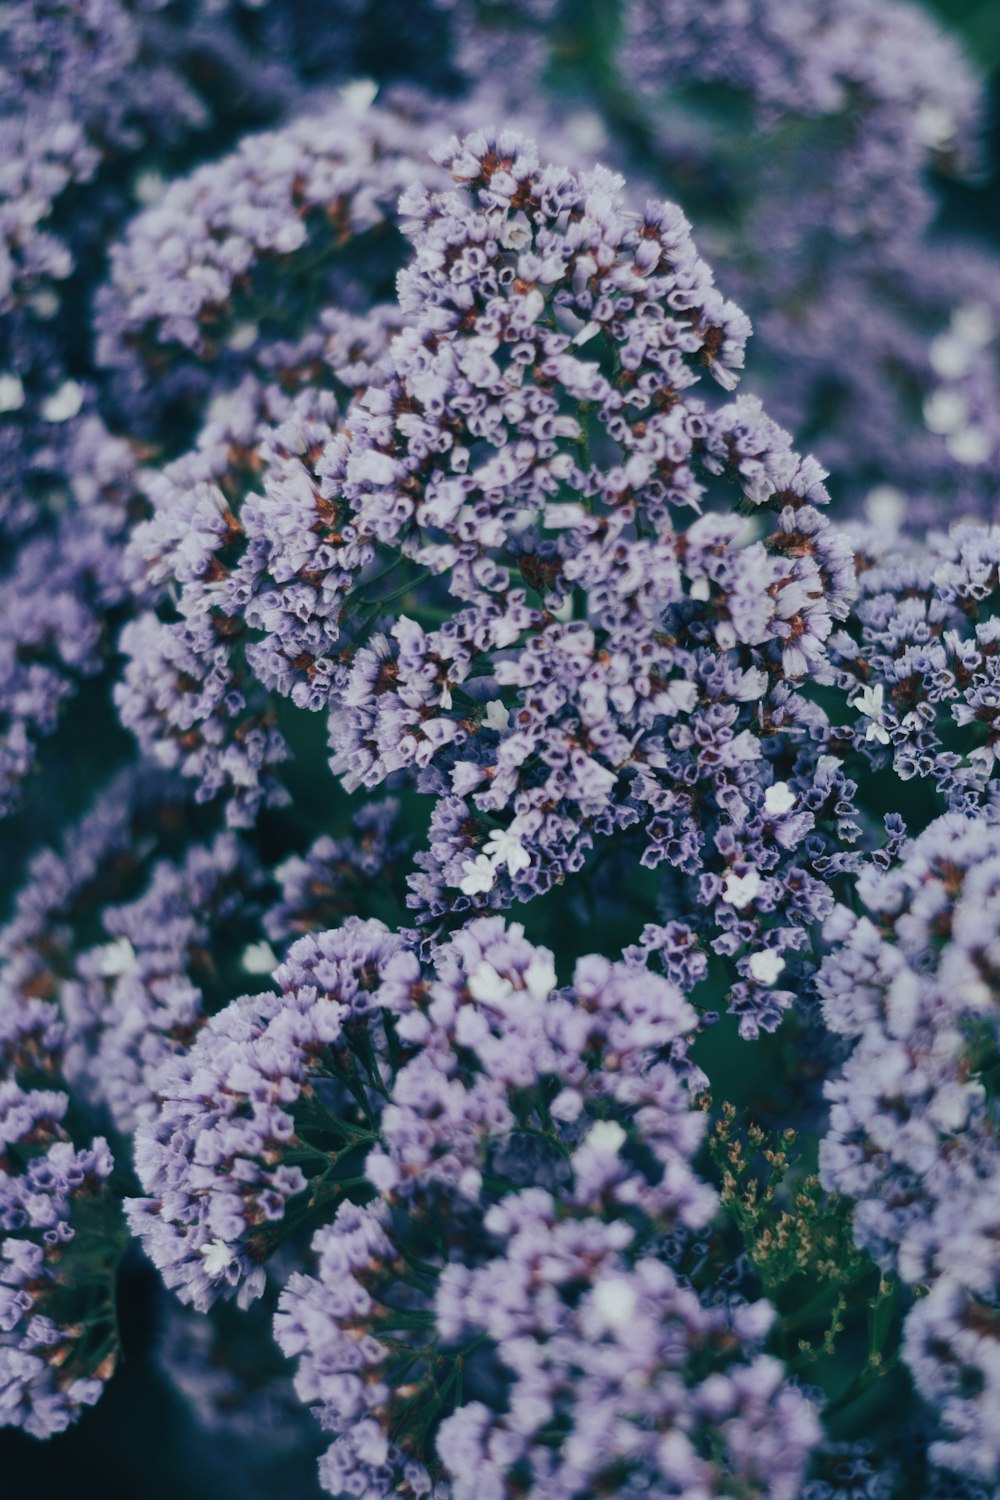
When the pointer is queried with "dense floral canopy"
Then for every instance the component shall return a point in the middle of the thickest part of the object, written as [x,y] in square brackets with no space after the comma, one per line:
[497,745]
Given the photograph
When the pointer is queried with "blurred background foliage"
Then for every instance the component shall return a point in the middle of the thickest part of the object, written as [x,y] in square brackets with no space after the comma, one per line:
[978,21]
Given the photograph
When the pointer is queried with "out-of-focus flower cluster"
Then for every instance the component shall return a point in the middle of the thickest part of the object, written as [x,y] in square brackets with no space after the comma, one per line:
[913,1123]
[919,659]
[57,1334]
[818,130]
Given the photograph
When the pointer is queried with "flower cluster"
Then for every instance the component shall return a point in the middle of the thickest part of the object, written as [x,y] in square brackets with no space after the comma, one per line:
[139,997]
[272,1087]
[189,691]
[59,599]
[913,1124]
[340,877]
[351,447]
[917,661]
[514,1167]
[823,127]
[99,857]
[557,335]
[237,255]
[94,97]
[98,101]
[57,1334]
[911,96]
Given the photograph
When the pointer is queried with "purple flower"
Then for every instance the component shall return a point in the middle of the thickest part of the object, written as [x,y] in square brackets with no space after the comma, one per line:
[57,1335]
[230,1144]
[514,1081]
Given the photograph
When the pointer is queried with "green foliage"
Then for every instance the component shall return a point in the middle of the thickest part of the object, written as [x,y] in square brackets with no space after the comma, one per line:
[799,1240]
[978,23]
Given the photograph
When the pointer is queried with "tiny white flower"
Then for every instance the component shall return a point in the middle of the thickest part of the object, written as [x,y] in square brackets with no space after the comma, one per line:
[11,393]
[779,798]
[949,1106]
[371,467]
[563,516]
[540,977]
[505,848]
[479,876]
[727,378]
[381,1171]
[935,125]
[676,697]
[946,411]
[752,684]
[752,530]
[566,1106]
[587,131]
[497,716]
[606,1138]
[217,1256]
[222,408]
[973,322]
[885,505]
[700,589]
[359,95]
[45,303]
[243,337]
[259,958]
[587,332]
[950,355]
[766,965]
[870,703]
[515,234]
[561,465]
[487,986]
[973,445]
[64,403]
[740,890]
[616,1301]
[116,958]
[148,187]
